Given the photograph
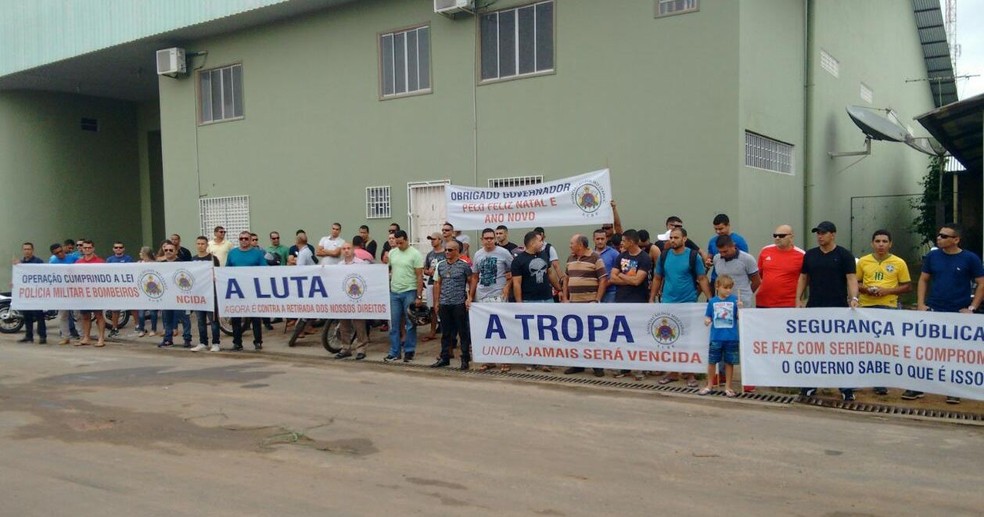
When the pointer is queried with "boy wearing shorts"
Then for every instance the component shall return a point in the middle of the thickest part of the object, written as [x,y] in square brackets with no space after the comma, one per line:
[722,317]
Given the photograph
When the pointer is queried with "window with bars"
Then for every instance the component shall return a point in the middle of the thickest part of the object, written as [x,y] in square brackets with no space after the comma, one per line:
[671,7]
[517,181]
[378,203]
[765,153]
[220,91]
[404,58]
[232,213]
[517,41]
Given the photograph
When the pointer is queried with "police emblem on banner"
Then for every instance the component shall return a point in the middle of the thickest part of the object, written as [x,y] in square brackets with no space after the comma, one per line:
[184,280]
[354,286]
[152,284]
[665,328]
[589,196]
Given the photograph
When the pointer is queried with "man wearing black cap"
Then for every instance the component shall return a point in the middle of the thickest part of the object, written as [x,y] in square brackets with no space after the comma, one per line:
[829,272]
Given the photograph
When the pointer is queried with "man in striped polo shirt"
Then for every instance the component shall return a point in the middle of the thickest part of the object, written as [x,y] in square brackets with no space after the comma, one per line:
[586,281]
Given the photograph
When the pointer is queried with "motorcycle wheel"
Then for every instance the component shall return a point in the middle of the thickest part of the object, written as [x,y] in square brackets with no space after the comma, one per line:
[331,337]
[124,318]
[11,321]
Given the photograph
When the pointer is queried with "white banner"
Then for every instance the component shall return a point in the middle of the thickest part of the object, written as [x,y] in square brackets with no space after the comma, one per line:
[635,336]
[574,201]
[358,291]
[933,352]
[140,285]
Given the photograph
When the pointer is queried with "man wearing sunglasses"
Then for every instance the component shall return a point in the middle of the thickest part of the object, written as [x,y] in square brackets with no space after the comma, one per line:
[173,317]
[779,265]
[219,246]
[944,283]
[119,256]
[453,283]
[243,256]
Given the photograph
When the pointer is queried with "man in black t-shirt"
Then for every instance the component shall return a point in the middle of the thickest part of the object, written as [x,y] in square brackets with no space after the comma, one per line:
[829,271]
[532,275]
[631,278]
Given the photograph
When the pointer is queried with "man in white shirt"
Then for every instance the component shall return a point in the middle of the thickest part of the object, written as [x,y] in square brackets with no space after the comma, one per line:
[330,247]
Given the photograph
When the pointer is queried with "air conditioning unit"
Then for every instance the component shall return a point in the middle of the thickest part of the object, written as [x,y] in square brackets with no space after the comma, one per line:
[171,61]
[452,6]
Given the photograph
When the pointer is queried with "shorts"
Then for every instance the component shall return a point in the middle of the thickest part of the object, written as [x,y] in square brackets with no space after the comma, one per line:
[723,351]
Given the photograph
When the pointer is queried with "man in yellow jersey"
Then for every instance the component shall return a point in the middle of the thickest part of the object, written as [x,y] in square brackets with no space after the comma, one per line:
[882,277]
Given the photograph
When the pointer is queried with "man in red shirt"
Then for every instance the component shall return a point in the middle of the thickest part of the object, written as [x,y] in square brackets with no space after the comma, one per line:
[779,265]
[89,257]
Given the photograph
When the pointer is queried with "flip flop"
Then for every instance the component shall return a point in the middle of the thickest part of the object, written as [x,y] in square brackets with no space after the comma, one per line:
[505,368]
[665,380]
[729,393]
[704,391]
[692,383]
[486,367]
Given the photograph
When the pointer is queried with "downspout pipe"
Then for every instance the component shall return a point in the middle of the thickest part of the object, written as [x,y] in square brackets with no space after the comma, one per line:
[809,20]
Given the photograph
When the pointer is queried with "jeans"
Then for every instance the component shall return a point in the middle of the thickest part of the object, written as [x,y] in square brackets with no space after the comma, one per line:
[171,320]
[454,323]
[206,319]
[609,297]
[399,303]
[142,315]
[237,331]
[30,317]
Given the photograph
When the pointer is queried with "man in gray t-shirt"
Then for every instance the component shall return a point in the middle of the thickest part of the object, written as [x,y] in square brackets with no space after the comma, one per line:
[740,266]
[491,268]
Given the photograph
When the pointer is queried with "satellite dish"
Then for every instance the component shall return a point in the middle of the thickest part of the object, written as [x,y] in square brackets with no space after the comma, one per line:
[927,145]
[878,126]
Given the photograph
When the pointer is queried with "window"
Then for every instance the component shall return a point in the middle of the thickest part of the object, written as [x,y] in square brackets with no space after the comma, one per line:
[231,212]
[404,62]
[671,7]
[221,94]
[518,42]
[829,63]
[518,181]
[866,94]
[765,153]
[378,203]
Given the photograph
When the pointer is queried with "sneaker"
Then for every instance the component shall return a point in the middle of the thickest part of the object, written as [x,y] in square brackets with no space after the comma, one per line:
[881,391]
[214,348]
[114,332]
[390,358]
[343,354]
[258,346]
[912,395]
[808,392]
[199,348]
[64,341]
[43,341]
[847,396]
[187,344]
[138,333]
[572,370]
[26,340]
[953,400]
[165,344]
[440,363]
[599,372]
[464,366]
[408,357]
[360,356]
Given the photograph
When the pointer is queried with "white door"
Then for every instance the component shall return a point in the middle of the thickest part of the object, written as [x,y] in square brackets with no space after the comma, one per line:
[428,211]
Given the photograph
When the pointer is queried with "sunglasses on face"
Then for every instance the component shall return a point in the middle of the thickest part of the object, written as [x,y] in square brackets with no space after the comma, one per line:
[779,235]
[945,236]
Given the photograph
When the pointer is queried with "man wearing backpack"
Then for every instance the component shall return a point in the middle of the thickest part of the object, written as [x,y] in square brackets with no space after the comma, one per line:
[680,277]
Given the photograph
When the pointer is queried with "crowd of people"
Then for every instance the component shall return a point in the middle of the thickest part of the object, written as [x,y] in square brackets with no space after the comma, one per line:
[611,265]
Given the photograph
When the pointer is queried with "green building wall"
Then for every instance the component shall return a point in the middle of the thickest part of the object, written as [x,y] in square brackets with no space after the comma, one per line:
[61,182]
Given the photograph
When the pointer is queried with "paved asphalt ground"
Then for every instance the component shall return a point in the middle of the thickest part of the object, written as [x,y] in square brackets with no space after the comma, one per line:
[133,430]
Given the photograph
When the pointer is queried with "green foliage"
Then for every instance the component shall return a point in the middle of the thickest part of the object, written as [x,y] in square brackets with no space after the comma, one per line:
[936,201]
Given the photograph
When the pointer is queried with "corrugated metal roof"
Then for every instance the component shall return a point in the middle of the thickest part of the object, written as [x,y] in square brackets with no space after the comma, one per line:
[38,32]
[958,127]
[932,35]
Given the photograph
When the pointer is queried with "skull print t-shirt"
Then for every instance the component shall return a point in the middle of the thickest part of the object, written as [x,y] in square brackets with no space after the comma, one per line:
[533,270]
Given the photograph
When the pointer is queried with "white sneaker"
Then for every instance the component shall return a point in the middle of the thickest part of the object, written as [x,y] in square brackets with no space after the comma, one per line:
[199,348]
[215,348]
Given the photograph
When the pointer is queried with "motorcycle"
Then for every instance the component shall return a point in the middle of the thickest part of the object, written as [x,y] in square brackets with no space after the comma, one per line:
[11,320]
